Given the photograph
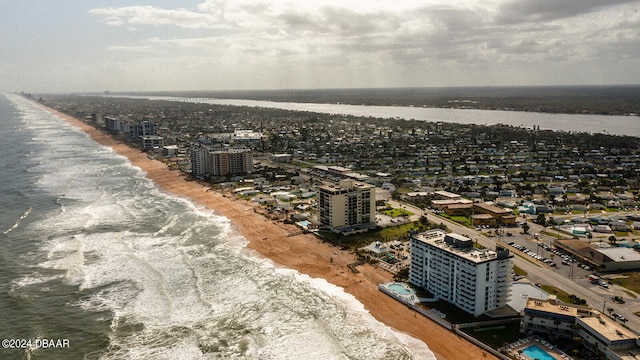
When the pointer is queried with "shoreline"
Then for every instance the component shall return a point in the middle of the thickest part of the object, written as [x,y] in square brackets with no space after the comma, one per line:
[304,253]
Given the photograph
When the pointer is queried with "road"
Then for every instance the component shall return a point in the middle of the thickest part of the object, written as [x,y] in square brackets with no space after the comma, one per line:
[570,279]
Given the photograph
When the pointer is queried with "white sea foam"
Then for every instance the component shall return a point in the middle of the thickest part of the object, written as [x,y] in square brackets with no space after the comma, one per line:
[66,254]
[29,280]
[17,223]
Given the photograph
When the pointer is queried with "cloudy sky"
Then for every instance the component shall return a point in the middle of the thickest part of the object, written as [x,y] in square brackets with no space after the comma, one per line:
[96,45]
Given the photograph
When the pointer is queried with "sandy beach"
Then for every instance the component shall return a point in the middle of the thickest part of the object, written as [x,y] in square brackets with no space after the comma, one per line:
[304,253]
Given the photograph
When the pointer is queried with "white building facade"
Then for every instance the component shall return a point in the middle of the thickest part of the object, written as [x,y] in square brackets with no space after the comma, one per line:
[447,265]
[198,161]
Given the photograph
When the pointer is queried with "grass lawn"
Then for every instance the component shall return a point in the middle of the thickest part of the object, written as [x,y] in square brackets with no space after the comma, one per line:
[355,241]
[553,234]
[463,220]
[397,212]
[519,271]
[396,231]
[561,294]
[620,233]
[359,240]
[631,282]
[404,190]
[305,163]
[496,335]
[460,219]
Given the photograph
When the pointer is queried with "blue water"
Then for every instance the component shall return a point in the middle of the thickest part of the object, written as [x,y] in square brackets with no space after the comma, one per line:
[536,352]
[399,289]
[93,252]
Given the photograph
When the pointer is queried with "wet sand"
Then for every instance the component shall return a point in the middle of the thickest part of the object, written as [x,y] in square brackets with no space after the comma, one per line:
[304,253]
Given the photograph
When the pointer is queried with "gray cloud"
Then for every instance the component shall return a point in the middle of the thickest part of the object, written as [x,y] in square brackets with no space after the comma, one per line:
[549,10]
[149,15]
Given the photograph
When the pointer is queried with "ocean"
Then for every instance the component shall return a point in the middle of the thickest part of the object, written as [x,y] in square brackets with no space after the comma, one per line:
[95,257]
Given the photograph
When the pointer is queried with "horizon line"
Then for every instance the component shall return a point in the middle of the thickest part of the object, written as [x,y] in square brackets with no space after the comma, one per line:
[341,88]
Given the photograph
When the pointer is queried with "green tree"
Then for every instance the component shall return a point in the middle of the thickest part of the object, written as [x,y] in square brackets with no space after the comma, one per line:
[525,227]
[402,275]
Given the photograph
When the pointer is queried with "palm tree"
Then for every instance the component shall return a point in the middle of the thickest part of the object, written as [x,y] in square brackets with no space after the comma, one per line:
[578,341]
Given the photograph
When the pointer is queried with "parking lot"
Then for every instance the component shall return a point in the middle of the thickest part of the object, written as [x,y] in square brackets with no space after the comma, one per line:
[541,251]
[547,260]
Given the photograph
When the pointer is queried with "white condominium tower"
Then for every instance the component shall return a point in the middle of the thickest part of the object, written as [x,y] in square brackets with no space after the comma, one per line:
[347,208]
[447,265]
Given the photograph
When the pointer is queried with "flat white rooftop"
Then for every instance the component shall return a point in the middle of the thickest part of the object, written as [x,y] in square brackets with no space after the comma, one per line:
[437,239]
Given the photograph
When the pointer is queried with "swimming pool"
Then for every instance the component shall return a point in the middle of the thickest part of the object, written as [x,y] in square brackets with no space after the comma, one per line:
[304,223]
[399,289]
[536,352]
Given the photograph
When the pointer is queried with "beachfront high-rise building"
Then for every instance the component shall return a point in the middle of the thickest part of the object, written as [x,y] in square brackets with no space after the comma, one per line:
[198,161]
[144,128]
[230,161]
[208,162]
[152,142]
[348,207]
[112,123]
[450,267]
[134,130]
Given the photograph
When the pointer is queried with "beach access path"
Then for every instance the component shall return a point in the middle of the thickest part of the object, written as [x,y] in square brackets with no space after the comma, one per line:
[304,253]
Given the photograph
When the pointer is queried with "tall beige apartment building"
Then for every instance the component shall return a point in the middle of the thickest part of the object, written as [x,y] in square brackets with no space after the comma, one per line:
[347,208]
[231,161]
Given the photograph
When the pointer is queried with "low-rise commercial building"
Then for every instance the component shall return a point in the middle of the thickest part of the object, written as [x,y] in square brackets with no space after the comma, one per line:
[502,216]
[589,328]
[605,259]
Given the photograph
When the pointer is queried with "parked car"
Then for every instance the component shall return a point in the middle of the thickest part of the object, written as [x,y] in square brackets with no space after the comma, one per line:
[619,317]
